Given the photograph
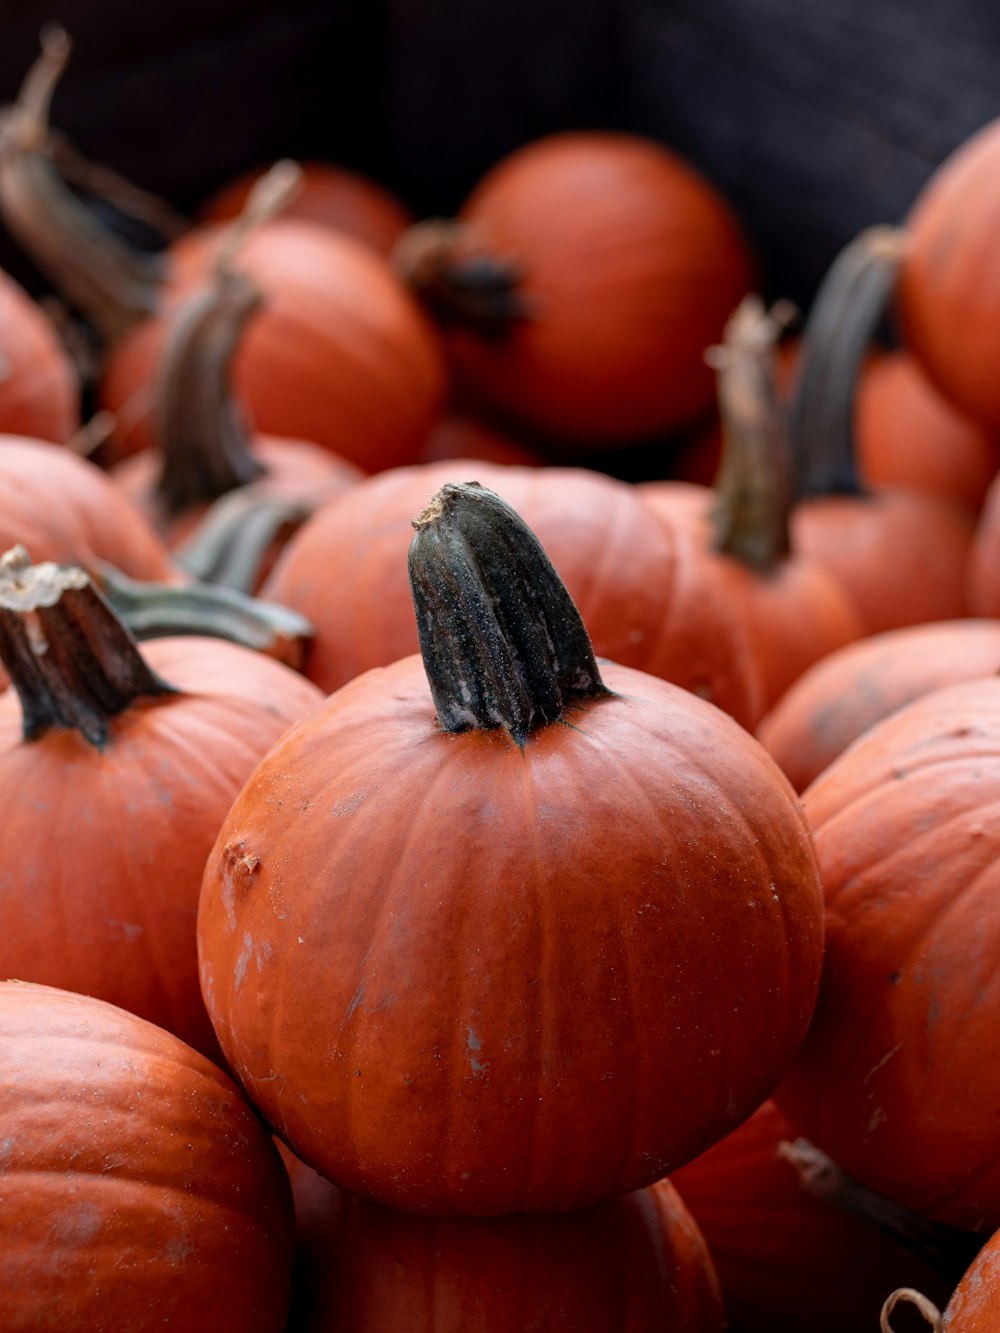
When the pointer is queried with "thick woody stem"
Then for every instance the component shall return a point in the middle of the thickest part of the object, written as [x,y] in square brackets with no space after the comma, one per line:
[754,486]
[73,663]
[502,641]
[459,280]
[848,308]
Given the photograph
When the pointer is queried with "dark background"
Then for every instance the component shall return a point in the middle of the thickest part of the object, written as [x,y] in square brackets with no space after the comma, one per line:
[814,118]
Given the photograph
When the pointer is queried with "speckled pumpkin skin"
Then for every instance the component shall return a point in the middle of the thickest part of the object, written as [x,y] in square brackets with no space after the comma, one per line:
[462,978]
[138,1190]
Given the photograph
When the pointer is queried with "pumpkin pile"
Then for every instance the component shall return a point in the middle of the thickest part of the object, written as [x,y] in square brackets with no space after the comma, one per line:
[500,739]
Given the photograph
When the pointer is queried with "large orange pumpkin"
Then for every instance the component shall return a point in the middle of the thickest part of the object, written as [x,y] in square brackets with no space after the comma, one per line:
[541,949]
[587,275]
[137,1188]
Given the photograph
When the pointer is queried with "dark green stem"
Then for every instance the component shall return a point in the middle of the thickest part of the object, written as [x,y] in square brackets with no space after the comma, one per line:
[945,1249]
[502,641]
[459,280]
[111,282]
[232,540]
[753,488]
[73,663]
[851,302]
[156,610]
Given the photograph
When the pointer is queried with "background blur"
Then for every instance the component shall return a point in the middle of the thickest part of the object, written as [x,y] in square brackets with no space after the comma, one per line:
[814,118]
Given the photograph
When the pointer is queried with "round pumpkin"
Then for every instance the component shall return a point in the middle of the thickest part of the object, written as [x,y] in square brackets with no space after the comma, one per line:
[635,1264]
[118,767]
[588,274]
[896,1080]
[511,982]
[137,1187]
[39,393]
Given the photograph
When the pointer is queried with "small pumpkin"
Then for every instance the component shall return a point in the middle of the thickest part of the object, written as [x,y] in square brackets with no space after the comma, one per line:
[137,1187]
[586,275]
[39,392]
[117,767]
[509,889]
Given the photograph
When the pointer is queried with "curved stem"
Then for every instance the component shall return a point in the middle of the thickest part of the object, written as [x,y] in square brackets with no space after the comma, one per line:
[946,1249]
[156,610]
[849,305]
[502,641]
[110,281]
[754,485]
[73,663]
[232,540]
[199,427]
[907,1296]
[459,280]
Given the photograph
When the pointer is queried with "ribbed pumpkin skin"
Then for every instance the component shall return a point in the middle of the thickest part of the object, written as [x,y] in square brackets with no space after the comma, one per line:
[340,353]
[104,850]
[514,982]
[853,689]
[63,508]
[898,1079]
[137,1188]
[786,1259]
[947,286]
[632,263]
[345,570]
[39,394]
[636,1264]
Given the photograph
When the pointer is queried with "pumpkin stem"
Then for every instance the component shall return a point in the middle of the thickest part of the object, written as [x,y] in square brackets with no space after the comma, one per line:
[231,541]
[157,610]
[947,1250]
[72,661]
[199,427]
[849,305]
[114,284]
[753,487]
[907,1296]
[502,641]
[447,265]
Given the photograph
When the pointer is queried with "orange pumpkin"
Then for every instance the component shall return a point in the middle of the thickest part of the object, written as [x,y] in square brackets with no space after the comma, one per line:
[39,393]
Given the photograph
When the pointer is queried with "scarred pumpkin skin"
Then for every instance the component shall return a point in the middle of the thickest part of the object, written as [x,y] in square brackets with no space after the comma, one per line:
[975,1306]
[516,980]
[104,847]
[137,1188]
[630,578]
[634,1264]
[896,1080]
[857,686]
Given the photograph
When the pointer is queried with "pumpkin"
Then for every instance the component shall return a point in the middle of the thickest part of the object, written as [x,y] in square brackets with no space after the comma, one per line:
[909,436]
[896,1080]
[787,1257]
[39,393]
[458,435]
[634,1264]
[853,688]
[133,758]
[345,571]
[794,610]
[63,508]
[974,1307]
[901,555]
[137,1187]
[984,558]
[586,276]
[330,195]
[947,302]
[342,355]
[204,449]
[513,983]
